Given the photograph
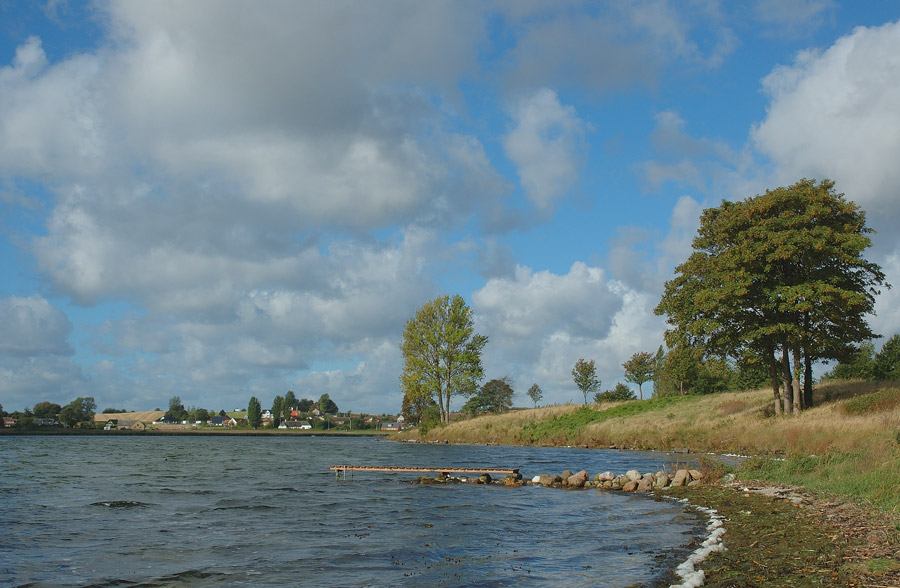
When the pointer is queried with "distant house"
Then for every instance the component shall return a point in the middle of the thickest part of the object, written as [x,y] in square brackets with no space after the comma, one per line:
[111,425]
[295,413]
[337,421]
[9,422]
[44,422]
[295,425]
[167,420]
[391,426]
[267,414]
[222,421]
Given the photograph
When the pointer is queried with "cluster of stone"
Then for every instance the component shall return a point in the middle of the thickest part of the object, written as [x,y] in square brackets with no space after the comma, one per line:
[630,481]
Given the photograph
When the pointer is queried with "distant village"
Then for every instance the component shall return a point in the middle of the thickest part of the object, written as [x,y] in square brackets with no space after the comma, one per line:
[287,413]
[311,420]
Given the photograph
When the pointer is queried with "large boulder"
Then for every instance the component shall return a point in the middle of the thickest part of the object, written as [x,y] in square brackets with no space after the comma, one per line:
[644,485]
[605,477]
[545,480]
[695,474]
[485,479]
[681,478]
[633,475]
[661,480]
[630,486]
[577,480]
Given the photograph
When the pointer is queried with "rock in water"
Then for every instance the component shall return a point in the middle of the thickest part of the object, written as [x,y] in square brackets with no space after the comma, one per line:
[681,478]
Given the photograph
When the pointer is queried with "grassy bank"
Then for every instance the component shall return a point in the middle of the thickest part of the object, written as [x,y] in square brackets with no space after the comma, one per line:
[848,444]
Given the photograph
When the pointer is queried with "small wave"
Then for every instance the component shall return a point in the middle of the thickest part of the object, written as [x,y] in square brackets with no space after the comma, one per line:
[191,492]
[247,507]
[120,504]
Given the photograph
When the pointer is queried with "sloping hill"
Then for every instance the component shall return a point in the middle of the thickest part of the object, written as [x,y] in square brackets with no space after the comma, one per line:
[147,416]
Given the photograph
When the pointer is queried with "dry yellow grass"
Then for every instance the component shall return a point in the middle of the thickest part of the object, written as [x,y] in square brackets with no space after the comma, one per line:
[725,423]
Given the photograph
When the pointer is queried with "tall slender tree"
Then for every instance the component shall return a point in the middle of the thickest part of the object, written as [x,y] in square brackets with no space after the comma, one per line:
[639,369]
[535,393]
[585,376]
[254,412]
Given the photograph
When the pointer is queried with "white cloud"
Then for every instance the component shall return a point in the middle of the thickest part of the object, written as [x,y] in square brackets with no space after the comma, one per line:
[835,113]
[33,327]
[547,146]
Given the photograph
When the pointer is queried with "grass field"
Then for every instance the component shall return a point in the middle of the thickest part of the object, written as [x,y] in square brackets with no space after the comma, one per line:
[848,444]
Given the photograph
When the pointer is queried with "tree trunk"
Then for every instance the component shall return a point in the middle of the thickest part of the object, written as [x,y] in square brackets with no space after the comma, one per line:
[795,383]
[786,378]
[773,374]
[807,380]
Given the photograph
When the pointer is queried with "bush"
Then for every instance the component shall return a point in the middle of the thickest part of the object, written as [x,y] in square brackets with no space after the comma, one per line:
[431,418]
[619,393]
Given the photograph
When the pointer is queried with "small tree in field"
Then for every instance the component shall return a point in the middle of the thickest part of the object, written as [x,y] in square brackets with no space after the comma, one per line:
[585,375]
[535,393]
[639,369]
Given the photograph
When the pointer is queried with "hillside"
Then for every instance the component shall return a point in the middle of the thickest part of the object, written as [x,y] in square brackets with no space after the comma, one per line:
[848,444]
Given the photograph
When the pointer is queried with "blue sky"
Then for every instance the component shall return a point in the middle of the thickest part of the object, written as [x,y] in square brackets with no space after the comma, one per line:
[223,199]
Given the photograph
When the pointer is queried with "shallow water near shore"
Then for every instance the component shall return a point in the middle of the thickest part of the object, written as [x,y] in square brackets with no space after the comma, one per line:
[212,511]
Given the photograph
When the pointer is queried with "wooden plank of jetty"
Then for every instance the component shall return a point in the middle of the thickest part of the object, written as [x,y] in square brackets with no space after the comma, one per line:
[446,471]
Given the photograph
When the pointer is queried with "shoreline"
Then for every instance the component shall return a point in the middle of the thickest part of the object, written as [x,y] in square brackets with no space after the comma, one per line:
[59,432]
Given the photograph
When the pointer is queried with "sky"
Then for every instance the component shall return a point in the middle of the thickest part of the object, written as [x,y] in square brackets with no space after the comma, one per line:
[223,199]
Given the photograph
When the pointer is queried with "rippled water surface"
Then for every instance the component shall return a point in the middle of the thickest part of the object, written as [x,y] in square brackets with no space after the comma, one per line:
[239,510]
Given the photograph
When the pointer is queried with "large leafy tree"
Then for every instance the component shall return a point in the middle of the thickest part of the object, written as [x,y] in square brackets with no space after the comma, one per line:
[442,352]
[77,411]
[176,409]
[639,369]
[585,375]
[46,410]
[781,272]
[495,397]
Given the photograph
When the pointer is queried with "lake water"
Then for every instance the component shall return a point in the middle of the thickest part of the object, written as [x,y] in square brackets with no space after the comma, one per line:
[250,511]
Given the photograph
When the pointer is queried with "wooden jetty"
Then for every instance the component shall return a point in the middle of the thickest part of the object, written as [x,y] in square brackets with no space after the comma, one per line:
[338,469]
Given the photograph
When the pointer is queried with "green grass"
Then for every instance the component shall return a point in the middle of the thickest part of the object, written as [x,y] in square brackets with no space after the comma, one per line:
[870,474]
[881,401]
[565,427]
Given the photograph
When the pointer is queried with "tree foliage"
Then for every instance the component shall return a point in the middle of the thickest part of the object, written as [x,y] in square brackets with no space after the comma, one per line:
[638,369]
[414,406]
[887,362]
[78,411]
[306,405]
[620,392]
[781,271]
[176,409]
[327,405]
[442,353]
[254,412]
[494,397]
[535,393]
[585,376]
[46,410]
[277,410]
